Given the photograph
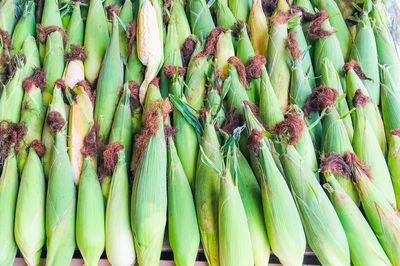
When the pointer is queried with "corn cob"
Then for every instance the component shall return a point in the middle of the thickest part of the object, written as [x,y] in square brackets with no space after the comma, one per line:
[134,68]
[367,148]
[300,86]
[324,233]
[150,187]
[326,45]
[200,18]
[364,51]
[337,21]
[90,235]
[394,162]
[363,244]
[75,53]
[13,92]
[390,100]
[381,215]
[126,16]
[185,139]
[182,22]
[57,105]
[207,191]
[233,232]
[11,135]
[334,135]
[32,113]
[223,51]
[237,93]
[372,113]
[278,69]
[149,42]
[287,239]
[96,39]
[225,17]
[172,54]
[61,195]
[52,37]
[183,230]
[330,78]
[250,193]
[29,225]
[109,85]
[118,234]
[25,27]
[79,125]
[121,131]
[259,26]
[387,54]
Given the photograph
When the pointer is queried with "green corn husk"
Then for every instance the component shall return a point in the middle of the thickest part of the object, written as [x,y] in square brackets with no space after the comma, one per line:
[372,112]
[347,8]
[119,237]
[60,203]
[186,139]
[235,245]
[29,225]
[224,51]
[8,197]
[381,215]
[196,77]
[270,112]
[79,124]
[172,55]
[363,244]
[32,114]
[338,23]
[96,39]
[134,68]
[25,27]
[245,53]
[149,192]
[394,162]
[200,18]
[324,233]
[76,28]
[368,150]
[57,104]
[108,3]
[182,23]
[213,102]
[237,93]
[330,78]
[329,48]
[121,131]
[365,52]
[126,16]
[183,232]
[90,215]
[250,193]
[306,4]
[8,10]
[109,85]
[13,93]
[387,54]
[285,231]
[52,51]
[240,9]
[259,26]
[225,17]
[390,96]
[300,87]
[207,189]
[277,54]
[74,70]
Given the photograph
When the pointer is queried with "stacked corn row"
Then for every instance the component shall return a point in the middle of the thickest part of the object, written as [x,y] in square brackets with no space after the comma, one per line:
[262,125]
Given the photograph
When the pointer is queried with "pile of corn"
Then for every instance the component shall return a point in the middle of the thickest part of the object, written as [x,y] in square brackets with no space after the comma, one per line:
[253,127]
